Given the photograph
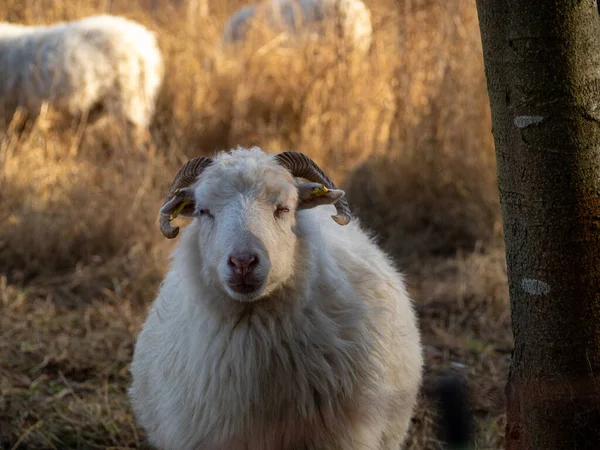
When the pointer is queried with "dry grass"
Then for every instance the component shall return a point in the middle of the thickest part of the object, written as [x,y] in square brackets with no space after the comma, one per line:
[405,131]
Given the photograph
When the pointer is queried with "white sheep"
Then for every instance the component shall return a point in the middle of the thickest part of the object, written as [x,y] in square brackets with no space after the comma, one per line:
[275,327]
[99,63]
[304,18]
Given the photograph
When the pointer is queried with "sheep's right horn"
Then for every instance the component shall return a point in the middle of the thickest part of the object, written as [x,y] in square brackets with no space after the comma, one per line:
[186,175]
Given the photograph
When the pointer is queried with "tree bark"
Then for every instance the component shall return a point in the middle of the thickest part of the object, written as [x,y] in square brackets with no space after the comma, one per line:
[542,63]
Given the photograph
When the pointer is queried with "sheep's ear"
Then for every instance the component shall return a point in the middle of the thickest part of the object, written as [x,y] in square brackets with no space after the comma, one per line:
[315,194]
[183,203]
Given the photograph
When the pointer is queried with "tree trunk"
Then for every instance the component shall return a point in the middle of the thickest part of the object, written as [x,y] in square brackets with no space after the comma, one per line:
[542,63]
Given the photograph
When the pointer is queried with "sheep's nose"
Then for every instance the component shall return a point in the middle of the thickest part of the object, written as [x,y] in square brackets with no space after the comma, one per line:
[243,264]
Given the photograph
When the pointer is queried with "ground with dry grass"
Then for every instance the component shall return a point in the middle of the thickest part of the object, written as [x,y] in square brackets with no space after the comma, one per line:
[405,131]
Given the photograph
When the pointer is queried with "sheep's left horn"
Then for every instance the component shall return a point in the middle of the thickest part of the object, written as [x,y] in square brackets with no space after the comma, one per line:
[185,176]
[302,166]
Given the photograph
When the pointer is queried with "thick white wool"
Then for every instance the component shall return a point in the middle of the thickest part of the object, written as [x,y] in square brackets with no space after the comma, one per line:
[328,355]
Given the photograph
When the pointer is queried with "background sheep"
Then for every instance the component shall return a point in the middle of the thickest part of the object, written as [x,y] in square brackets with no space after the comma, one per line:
[306,18]
[275,327]
[98,64]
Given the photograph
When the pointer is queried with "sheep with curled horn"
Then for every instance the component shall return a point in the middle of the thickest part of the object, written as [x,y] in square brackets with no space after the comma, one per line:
[280,323]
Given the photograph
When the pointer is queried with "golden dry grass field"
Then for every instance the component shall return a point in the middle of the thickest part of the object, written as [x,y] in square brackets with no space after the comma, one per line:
[406,131]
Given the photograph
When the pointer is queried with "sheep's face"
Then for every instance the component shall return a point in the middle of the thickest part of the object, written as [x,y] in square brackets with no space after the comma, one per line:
[245,206]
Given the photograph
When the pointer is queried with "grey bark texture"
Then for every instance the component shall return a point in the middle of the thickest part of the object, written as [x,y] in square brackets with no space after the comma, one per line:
[542,63]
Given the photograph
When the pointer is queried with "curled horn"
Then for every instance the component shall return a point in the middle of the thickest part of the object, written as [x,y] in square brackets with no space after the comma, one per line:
[302,166]
[187,174]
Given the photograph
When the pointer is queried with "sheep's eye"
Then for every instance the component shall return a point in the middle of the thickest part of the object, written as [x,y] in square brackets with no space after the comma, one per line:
[281,210]
[205,212]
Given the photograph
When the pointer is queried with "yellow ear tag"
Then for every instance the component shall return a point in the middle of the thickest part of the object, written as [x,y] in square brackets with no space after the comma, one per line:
[319,191]
[179,209]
